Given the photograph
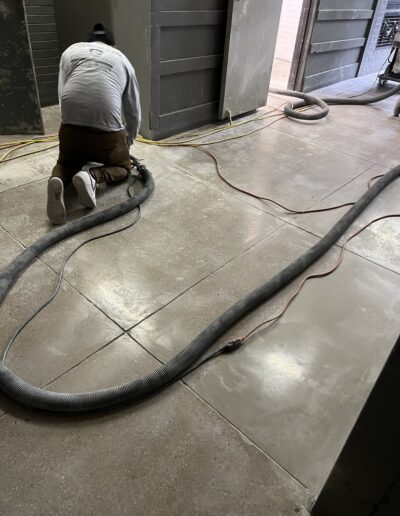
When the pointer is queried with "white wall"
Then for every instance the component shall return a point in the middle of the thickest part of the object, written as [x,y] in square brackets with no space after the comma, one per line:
[288,27]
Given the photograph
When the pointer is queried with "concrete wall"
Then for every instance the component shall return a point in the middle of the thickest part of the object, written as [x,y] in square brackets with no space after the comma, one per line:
[130,22]
[19,101]
[289,24]
[75,18]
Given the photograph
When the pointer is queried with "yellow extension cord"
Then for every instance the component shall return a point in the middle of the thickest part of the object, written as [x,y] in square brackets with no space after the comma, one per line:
[11,147]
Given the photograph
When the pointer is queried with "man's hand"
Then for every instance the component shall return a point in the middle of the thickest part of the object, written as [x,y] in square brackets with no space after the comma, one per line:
[129,140]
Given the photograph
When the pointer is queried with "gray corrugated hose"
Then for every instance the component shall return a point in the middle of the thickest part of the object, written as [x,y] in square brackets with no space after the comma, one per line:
[175,368]
[322,103]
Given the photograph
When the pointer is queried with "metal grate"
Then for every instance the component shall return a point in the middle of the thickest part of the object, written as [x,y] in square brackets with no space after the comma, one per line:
[387,32]
[393,5]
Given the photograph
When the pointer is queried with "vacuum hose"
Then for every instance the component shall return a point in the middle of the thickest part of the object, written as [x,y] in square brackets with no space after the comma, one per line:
[310,100]
[142,387]
[182,363]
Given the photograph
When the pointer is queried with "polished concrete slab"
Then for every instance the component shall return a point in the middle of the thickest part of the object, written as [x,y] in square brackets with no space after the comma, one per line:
[271,164]
[377,242]
[26,170]
[156,157]
[261,428]
[291,389]
[165,253]
[64,333]
[172,454]
[373,124]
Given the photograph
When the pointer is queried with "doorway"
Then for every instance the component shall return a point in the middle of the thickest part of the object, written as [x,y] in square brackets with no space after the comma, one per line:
[291,15]
[324,42]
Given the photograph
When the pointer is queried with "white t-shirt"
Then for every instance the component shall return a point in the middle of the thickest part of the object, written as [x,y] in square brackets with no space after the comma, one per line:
[98,88]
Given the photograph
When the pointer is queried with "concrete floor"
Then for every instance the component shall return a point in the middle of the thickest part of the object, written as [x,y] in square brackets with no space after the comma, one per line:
[253,433]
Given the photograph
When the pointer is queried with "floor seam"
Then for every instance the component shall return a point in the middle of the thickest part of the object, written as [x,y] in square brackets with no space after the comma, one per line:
[350,181]
[338,189]
[216,187]
[22,185]
[64,279]
[12,236]
[265,203]
[232,194]
[206,277]
[129,328]
[197,395]
[347,250]
[309,140]
[259,448]
[48,384]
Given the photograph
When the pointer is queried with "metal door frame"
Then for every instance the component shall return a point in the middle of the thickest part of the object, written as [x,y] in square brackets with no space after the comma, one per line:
[307,18]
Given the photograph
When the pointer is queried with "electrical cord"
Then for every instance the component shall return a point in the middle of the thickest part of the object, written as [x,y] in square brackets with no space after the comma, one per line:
[236,344]
[262,198]
[200,147]
[231,346]
[27,153]
[317,275]
[16,145]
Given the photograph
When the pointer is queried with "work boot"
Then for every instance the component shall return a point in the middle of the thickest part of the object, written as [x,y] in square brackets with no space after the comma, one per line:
[85,185]
[55,201]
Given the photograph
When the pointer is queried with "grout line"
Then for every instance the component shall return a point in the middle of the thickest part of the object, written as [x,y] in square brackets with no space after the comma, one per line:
[222,416]
[265,203]
[23,184]
[318,144]
[89,300]
[145,349]
[370,260]
[347,250]
[338,189]
[231,195]
[83,360]
[186,386]
[350,181]
[190,389]
[13,237]
[208,275]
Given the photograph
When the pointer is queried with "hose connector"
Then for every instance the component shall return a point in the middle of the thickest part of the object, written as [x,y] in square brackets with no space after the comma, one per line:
[232,346]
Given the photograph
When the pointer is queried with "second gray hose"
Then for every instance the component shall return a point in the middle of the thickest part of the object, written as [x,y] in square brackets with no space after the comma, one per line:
[310,100]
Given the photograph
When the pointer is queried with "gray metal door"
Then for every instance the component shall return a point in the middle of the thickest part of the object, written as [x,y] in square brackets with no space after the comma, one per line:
[187,44]
[249,52]
[333,41]
[45,49]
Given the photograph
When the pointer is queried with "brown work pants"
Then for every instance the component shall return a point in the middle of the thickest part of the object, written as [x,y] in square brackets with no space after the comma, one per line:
[79,145]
